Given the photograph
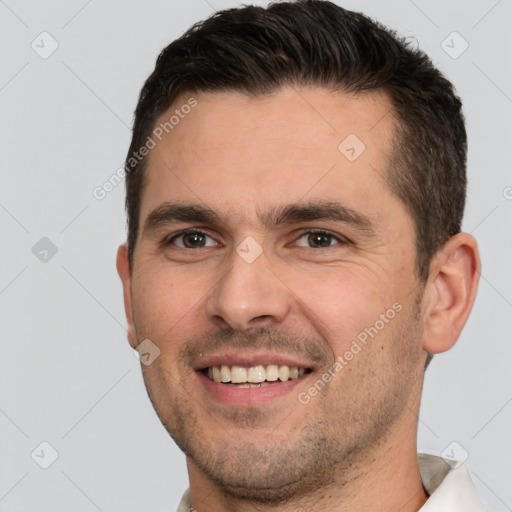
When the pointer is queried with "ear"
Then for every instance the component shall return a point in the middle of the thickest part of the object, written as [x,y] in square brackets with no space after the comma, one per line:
[451,291]
[124,271]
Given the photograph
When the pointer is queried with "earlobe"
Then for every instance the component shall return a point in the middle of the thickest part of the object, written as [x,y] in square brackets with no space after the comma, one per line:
[124,271]
[451,292]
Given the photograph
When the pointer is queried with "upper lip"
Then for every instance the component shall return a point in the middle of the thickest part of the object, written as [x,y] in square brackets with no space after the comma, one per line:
[250,359]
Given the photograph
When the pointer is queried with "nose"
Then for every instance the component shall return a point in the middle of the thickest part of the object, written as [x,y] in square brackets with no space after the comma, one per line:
[248,295]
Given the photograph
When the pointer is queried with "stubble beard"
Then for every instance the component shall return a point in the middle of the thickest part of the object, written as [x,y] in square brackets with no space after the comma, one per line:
[350,419]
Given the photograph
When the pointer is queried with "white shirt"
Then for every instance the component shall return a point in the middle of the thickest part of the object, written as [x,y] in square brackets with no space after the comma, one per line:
[450,489]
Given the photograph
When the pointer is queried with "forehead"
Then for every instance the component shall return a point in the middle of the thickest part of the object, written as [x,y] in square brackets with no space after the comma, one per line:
[237,153]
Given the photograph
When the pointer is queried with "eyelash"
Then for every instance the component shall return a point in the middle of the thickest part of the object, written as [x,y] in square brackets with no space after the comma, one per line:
[339,238]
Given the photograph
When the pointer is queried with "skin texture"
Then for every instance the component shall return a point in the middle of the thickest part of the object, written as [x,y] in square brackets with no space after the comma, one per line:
[353,445]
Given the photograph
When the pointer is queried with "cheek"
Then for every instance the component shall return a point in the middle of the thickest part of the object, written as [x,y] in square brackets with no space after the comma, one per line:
[342,304]
[163,305]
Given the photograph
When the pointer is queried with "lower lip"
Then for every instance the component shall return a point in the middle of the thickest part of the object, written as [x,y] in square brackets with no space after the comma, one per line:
[247,397]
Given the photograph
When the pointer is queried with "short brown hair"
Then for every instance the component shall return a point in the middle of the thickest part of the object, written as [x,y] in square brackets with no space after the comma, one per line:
[316,43]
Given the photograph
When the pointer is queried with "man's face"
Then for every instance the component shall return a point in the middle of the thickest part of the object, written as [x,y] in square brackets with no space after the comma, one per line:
[306,260]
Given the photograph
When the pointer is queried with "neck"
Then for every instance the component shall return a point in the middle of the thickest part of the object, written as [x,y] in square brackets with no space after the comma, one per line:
[387,479]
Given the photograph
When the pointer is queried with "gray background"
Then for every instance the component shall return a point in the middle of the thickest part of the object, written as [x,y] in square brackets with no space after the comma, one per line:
[68,375]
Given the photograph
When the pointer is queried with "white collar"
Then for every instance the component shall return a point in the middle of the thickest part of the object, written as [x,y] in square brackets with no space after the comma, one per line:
[450,489]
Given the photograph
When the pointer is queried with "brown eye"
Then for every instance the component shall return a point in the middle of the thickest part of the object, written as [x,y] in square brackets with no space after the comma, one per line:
[191,240]
[319,239]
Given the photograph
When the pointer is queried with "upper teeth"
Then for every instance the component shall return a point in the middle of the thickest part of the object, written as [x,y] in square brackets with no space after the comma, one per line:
[254,374]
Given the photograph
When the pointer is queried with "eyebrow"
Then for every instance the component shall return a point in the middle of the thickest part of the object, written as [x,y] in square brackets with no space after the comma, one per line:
[170,212]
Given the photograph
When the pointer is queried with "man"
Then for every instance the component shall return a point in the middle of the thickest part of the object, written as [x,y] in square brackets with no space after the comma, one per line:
[295,190]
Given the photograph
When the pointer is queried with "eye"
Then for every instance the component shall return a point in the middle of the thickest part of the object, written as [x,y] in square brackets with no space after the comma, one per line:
[191,239]
[319,239]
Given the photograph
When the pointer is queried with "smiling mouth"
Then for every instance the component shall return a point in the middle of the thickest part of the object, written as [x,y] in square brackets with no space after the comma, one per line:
[254,376]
